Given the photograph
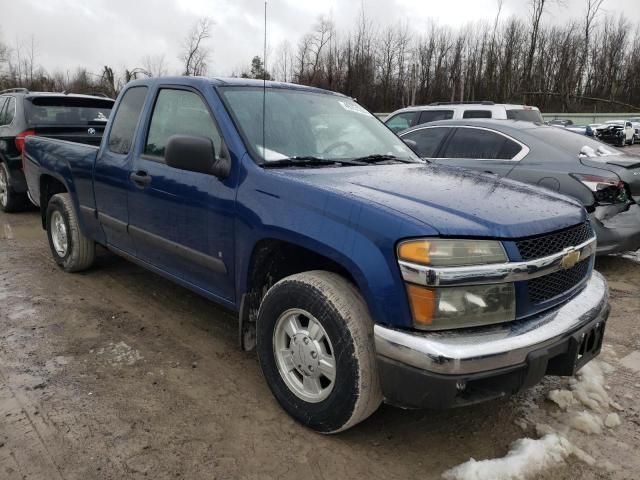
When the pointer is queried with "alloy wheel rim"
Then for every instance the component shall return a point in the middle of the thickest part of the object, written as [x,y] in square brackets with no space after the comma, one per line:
[304,355]
[59,234]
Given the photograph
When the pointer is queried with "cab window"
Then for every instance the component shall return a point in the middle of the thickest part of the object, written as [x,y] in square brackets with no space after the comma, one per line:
[179,112]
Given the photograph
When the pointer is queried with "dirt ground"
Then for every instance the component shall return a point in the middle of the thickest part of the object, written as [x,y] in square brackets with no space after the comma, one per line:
[117,373]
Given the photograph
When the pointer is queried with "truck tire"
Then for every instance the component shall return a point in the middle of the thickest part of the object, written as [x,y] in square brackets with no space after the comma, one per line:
[10,201]
[316,349]
[72,251]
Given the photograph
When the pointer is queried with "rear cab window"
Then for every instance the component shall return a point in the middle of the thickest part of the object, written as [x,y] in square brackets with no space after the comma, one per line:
[179,112]
[126,120]
[44,110]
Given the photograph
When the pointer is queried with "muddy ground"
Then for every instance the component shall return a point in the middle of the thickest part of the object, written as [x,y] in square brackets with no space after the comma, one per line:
[117,373]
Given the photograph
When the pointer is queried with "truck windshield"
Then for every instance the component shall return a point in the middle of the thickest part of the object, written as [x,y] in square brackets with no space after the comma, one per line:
[306,125]
[61,110]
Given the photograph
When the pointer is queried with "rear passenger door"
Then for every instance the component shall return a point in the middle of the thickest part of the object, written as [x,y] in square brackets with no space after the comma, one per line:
[182,221]
[482,149]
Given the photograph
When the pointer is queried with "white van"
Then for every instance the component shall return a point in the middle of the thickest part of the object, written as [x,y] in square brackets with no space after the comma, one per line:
[412,116]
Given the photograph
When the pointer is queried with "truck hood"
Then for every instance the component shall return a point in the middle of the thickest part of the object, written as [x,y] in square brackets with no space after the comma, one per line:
[452,201]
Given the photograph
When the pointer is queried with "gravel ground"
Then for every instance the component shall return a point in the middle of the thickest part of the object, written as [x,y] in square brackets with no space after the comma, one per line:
[117,373]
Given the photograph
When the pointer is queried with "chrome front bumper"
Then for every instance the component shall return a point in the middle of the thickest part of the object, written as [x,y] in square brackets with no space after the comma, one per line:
[476,350]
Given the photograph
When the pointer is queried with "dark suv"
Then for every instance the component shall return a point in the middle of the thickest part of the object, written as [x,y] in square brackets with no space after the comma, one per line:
[79,118]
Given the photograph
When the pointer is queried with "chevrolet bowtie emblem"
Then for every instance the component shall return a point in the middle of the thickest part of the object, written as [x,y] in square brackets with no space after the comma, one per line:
[570,259]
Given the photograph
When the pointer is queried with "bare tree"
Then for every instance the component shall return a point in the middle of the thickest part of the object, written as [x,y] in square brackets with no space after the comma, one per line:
[196,55]
[155,65]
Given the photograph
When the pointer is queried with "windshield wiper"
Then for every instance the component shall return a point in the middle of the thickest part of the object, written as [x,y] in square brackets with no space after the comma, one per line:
[377,157]
[309,161]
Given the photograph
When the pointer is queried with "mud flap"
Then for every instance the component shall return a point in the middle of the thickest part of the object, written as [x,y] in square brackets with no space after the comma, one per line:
[246,327]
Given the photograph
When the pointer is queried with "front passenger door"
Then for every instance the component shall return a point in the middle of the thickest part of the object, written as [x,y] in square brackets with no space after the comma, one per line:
[182,221]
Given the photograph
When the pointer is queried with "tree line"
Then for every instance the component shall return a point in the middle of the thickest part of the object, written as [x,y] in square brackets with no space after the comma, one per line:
[590,63]
[586,64]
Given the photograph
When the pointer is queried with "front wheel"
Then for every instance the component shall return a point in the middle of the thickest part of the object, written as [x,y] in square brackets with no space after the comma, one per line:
[71,250]
[316,350]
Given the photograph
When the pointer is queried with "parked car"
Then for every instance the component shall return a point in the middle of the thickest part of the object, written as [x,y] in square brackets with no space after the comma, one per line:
[617,132]
[79,118]
[635,123]
[356,266]
[606,182]
[411,116]
[559,122]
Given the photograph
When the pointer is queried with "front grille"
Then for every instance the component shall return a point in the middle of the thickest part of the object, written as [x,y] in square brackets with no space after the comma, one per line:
[545,245]
[557,283]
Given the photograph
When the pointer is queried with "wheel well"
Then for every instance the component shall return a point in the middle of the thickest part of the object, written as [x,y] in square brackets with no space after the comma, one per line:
[49,186]
[271,261]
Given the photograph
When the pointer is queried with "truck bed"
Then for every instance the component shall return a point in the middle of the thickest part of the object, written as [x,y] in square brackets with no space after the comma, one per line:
[62,160]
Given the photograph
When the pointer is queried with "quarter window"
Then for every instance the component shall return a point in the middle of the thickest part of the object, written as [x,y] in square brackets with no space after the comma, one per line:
[3,102]
[480,144]
[400,122]
[126,120]
[9,111]
[179,112]
[427,140]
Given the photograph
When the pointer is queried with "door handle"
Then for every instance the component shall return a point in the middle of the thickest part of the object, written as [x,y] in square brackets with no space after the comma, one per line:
[489,171]
[140,178]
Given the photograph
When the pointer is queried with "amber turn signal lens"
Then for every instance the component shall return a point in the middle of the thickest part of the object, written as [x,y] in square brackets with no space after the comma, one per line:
[422,301]
[417,251]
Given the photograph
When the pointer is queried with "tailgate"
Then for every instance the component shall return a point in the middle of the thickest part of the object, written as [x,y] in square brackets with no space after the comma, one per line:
[87,134]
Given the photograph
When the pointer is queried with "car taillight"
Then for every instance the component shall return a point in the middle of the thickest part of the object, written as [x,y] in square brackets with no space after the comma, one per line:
[606,190]
[20,139]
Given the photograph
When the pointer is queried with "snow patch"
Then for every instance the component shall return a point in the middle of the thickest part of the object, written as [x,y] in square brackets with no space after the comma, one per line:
[612,420]
[563,398]
[120,353]
[586,423]
[526,458]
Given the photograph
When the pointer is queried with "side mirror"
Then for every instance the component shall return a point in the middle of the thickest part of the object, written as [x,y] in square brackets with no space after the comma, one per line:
[195,154]
[412,144]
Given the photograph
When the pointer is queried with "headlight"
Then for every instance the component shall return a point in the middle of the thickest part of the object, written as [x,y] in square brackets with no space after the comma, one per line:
[459,307]
[440,252]
[437,308]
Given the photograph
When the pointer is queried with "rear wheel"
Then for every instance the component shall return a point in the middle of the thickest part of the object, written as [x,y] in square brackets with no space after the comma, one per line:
[316,350]
[10,201]
[71,250]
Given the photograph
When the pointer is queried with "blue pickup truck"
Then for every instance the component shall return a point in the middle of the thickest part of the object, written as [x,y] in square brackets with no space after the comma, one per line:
[359,272]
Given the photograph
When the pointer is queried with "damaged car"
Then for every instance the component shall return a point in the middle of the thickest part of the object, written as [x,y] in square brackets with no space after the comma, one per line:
[616,132]
[602,178]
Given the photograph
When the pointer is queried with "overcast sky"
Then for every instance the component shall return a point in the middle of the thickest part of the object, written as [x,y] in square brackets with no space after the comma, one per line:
[119,33]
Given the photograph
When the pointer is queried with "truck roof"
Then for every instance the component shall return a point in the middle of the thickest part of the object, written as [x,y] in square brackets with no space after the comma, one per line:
[231,81]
